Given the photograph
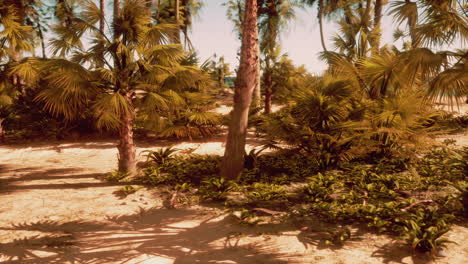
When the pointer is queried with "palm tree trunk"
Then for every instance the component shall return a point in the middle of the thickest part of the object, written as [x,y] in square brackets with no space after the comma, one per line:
[126,147]
[116,13]
[103,15]
[2,132]
[156,9]
[102,22]
[412,27]
[268,91]
[257,93]
[233,161]
[377,30]
[177,14]
[320,19]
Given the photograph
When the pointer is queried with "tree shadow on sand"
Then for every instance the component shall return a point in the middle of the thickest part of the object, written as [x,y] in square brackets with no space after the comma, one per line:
[171,236]
[396,252]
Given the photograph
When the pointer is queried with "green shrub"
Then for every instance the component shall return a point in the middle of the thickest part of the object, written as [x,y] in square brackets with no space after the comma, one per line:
[279,168]
[115,176]
[265,192]
[319,188]
[125,191]
[192,169]
[161,155]
[216,189]
[443,164]
[153,176]
[424,228]
[338,237]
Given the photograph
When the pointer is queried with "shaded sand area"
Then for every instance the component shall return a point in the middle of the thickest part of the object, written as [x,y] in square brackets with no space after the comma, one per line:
[55,208]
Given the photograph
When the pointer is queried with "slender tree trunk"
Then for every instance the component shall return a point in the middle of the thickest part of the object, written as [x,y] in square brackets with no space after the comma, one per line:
[177,21]
[2,132]
[233,161]
[156,9]
[268,91]
[102,21]
[412,26]
[126,147]
[377,30]
[116,14]
[320,19]
[41,36]
[257,94]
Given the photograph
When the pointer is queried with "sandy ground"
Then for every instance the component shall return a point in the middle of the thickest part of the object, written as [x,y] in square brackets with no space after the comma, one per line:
[55,208]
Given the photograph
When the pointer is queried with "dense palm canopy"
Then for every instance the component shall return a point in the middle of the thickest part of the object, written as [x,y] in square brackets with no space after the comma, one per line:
[137,69]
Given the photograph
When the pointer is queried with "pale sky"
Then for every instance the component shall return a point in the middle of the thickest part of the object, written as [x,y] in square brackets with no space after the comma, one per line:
[213,33]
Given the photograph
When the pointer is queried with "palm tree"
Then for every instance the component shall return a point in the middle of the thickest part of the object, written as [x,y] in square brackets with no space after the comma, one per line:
[15,38]
[179,12]
[141,75]
[407,10]
[233,161]
[274,15]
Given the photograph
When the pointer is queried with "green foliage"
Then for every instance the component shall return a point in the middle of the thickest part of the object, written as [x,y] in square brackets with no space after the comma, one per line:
[160,156]
[319,188]
[441,164]
[153,176]
[193,168]
[125,191]
[265,192]
[251,158]
[181,169]
[216,189]
[338,237]
[424,228]
[323,122]
[115,176]
[278,168]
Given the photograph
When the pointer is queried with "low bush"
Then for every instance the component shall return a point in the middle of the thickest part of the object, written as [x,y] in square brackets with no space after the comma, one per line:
[216,189]
[115,176]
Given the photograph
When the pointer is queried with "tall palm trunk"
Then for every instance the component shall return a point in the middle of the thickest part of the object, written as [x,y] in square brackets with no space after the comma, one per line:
[257,93]
[156,9]
[233,161]
[103,15]
[116,14]
[412,27]
[177,21]
[267,81]
[377,30]
[102,21]
[320,19]
[126,146]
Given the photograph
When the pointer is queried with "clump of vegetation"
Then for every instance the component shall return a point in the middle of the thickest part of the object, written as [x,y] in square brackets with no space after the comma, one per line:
[423,229]
[125,191]
[115,176]
[338,237]
[261,192]
[216,189]
[160,156]
[172,170]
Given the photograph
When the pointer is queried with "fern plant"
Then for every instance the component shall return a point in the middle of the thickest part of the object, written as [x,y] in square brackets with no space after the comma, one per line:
[160,156]
[424,228]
